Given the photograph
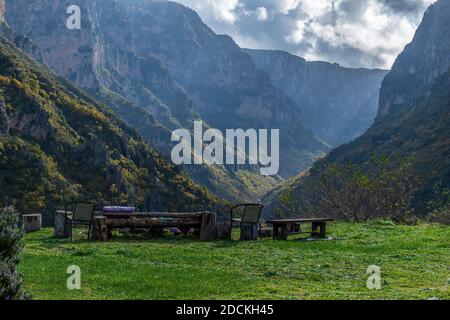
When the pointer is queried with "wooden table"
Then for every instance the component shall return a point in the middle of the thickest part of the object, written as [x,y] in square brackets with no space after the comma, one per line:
[280,227]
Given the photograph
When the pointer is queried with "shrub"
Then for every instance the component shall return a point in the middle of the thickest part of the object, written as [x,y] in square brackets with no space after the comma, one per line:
[442,217]
[10,247]
[439,205]
[380,189]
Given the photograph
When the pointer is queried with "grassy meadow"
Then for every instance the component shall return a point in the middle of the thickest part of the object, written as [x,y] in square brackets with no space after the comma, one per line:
[414,261]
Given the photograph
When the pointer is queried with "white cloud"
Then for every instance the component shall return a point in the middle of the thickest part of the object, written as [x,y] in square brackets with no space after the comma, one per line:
[358,33]
[262,14]
[221,10]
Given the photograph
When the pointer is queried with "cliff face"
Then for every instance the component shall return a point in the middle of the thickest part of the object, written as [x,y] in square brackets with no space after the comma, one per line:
[338,103]
[2,10]
[90,59]
[423,60]
[414,116]
[161,57]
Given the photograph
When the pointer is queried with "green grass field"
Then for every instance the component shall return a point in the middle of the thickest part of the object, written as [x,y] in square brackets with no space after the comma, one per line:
[414,261]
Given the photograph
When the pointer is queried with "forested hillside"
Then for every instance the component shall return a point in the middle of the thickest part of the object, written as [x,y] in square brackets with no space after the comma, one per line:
[57,145]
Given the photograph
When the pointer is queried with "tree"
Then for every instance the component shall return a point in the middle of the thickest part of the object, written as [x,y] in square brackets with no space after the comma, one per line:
[10,247]
[378,189]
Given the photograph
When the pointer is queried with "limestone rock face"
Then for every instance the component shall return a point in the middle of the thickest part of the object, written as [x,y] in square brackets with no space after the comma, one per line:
[422,61]
[2,10]
[338,103]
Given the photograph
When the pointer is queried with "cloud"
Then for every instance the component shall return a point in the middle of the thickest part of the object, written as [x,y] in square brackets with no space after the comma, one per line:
[261,14]
[222,11]
[356,33]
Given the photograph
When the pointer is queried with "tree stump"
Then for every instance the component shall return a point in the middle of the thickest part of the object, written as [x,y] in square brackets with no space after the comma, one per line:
[101,229]
[223,230]
[59,225]
[249,233]
[208,228]
[32,222]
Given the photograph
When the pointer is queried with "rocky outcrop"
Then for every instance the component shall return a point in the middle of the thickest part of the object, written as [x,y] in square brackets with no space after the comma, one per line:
[96,62]
[2,10]
[338,103]
[423,60]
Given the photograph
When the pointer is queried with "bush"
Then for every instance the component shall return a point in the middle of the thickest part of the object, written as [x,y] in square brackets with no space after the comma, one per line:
[442,217]
[10,247]
[379,189]
[439,205]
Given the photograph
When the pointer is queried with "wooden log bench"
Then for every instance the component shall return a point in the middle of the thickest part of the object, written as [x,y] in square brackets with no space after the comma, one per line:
[203,221]
[282,227]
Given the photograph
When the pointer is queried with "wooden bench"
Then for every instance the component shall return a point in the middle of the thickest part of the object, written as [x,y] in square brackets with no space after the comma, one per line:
[203,221]
[281,227]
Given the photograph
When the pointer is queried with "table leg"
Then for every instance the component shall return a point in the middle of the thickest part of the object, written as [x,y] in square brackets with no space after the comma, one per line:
[319,230]
[284,232]
[275,231]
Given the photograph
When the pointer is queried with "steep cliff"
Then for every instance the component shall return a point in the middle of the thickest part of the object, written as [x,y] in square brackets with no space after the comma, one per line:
[423,60]
[414,115]
[338,103]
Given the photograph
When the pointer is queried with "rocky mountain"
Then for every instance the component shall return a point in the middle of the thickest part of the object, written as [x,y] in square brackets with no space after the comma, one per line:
[138,87]
[57,144]
[414,115]
[160,57]
[338,103]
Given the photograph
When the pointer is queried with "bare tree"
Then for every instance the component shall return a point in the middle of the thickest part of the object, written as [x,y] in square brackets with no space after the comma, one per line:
[380,188]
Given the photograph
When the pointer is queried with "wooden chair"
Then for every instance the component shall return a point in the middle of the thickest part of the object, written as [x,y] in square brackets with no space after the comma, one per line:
[246,215]
[79,213]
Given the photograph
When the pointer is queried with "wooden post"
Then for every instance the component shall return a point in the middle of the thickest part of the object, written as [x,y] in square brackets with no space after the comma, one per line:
[284,232]
[249,233]
[208,227]
[276,230]
[101,229]
[59,225]
[280,234]
[223,230]
[32,222]
[319,230]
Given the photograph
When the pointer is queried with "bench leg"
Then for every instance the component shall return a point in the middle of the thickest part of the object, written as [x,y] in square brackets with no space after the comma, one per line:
[280,234]
[284,232]
[275,232]
[319,230]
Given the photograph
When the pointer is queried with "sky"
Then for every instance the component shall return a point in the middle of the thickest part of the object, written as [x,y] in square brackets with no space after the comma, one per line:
[353,33]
